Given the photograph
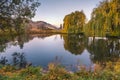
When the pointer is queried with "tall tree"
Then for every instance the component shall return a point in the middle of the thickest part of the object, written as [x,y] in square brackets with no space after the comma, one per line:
[74,22]
[14,13]
[106,18]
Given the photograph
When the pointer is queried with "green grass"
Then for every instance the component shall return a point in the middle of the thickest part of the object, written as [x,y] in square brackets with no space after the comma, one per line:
[56,72]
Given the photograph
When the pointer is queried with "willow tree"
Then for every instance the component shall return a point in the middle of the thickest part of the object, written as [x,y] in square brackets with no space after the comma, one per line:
[106,18]
[14,13]
[74,22]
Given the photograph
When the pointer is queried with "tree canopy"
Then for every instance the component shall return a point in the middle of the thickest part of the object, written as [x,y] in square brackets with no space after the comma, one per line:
[13,13]
[74,22]
[105,18]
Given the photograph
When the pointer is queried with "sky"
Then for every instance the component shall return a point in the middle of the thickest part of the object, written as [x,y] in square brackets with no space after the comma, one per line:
[54,11]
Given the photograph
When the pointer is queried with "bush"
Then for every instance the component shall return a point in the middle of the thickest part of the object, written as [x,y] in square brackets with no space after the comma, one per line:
[56,72]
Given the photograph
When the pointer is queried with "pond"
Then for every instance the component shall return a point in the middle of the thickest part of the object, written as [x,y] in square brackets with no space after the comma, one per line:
[70,51]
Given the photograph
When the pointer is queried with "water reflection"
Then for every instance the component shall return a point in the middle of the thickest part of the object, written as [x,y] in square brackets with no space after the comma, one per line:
[3,42]
[3,60]
[104,50]
[39,49]
[74,43]
[101,50]
[8,41]
[19,60]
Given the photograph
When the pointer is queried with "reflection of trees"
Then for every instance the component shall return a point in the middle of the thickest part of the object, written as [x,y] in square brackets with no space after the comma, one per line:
[74,43]
[42,36]
[19,60]
[2,48]
[113,46]
[101,50]
[22,39]
[7,41]
[104,50]
[3,60]
[3,41]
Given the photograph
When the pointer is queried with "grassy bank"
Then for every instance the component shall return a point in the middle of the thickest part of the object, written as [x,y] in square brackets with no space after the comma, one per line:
[56,72]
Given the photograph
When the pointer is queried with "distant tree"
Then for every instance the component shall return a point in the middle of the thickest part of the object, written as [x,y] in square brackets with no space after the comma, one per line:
[14,13]
[61,26]
[74,22]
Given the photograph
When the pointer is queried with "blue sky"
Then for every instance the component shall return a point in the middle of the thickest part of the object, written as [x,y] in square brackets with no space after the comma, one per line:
[54,11]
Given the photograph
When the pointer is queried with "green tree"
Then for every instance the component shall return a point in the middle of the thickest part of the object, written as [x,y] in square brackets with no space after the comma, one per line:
[74,22]
[105,18]
[14,13]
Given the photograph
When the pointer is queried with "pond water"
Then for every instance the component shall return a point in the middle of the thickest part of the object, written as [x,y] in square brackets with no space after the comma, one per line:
[70,51]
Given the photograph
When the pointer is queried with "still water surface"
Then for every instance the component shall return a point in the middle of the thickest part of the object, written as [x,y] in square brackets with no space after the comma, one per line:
[68,50]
